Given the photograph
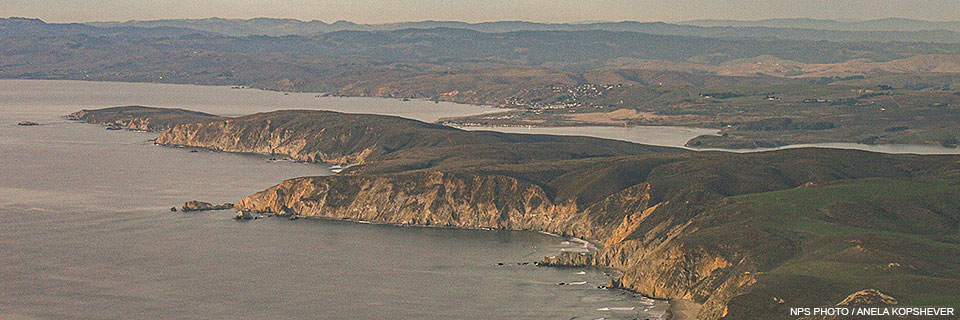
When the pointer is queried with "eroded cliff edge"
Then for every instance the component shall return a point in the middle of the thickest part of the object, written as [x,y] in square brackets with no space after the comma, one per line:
[687,226]
[742,234]
[657,268]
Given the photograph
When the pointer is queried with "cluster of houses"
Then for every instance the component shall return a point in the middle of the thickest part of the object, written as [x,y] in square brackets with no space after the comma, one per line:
[560,97]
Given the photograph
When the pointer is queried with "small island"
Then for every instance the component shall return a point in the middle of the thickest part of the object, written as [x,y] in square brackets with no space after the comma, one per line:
[195,205]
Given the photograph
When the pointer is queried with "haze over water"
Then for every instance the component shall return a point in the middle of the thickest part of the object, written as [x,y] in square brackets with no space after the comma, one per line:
[86,231]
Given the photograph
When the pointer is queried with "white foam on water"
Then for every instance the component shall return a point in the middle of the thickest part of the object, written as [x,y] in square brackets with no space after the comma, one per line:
[617,309]
[646,302]
[586,244]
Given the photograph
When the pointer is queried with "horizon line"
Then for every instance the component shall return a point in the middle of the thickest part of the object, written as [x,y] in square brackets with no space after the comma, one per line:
[477,21]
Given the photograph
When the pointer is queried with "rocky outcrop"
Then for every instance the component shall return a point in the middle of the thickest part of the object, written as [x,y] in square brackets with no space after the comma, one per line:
[27,124]
[195,205]
[247,215]
[862,298]
[867,297]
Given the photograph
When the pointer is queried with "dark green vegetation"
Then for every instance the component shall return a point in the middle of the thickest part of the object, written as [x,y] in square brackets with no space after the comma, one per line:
[747,236]
[887,232]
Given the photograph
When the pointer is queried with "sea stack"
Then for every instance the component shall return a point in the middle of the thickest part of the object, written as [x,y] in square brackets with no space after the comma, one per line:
[204,206]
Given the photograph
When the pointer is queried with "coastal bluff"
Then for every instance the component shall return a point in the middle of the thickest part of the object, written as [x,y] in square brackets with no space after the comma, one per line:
[739,234]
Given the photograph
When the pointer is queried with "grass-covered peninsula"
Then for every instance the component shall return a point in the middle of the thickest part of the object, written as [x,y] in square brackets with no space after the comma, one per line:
[741,236]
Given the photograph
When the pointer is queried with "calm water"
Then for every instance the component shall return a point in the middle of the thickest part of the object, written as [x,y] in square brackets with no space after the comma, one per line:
[222,101]
[678,137]
[85,230]
[881,148]
[655,136]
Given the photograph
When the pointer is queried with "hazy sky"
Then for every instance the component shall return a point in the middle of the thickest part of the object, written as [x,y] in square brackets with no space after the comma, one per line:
[378,11]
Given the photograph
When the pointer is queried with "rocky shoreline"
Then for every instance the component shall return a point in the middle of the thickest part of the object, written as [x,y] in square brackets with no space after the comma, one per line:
[417,201]
[550,261]
[679,226]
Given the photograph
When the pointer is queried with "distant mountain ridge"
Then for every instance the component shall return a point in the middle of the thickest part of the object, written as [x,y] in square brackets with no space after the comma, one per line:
[888,24]
[30,48]
[811,30]
[16,26]
[441,60]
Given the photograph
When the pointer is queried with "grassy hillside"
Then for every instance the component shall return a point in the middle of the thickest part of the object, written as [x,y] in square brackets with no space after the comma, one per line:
[896,236]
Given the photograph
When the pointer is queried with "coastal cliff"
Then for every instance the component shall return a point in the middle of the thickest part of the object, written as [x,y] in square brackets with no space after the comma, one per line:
[659,268]
[440,199]
[673,234]
[662,269]
[264,140]
[312,136]
[743,236]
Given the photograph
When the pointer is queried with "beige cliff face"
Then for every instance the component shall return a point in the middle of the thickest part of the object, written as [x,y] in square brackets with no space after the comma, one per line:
[142,124]
[233,136]
[660,268]
[670,270]
[428,198]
